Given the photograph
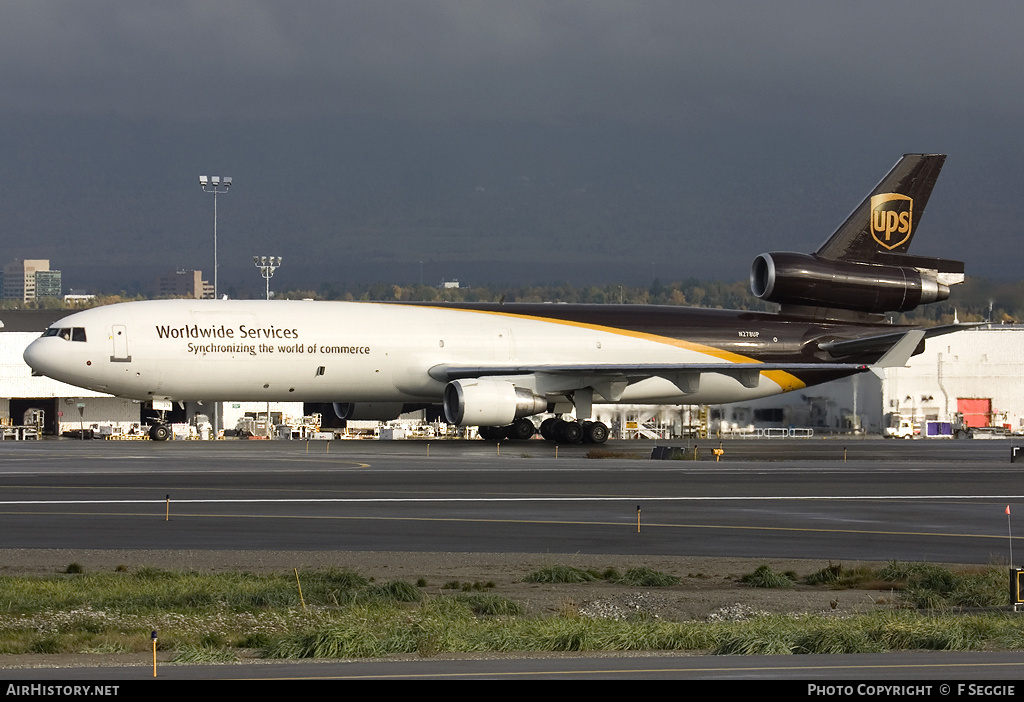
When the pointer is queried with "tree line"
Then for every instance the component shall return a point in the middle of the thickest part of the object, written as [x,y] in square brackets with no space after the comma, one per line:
[976,300]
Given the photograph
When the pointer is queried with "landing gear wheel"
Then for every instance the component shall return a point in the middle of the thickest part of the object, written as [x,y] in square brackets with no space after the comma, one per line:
[568,432]
[491,433]
[547,428]
[595,432]
[159,432]
[520,430]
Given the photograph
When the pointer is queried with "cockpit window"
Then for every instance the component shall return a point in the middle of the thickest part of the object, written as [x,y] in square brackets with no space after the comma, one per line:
[67,333]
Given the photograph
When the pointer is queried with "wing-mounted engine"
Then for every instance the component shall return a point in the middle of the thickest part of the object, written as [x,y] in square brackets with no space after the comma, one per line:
[811,281]
[489,402]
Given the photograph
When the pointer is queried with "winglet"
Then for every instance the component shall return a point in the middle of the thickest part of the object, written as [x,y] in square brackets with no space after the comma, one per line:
[900,353]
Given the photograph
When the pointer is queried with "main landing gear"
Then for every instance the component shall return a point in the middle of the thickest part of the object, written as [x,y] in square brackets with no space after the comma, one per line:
[519,430]
[552,429]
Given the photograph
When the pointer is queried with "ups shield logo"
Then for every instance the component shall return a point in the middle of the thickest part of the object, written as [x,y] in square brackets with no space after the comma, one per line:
[891,217]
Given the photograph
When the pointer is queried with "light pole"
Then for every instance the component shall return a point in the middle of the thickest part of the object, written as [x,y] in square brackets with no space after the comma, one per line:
[215,185]
[267,266]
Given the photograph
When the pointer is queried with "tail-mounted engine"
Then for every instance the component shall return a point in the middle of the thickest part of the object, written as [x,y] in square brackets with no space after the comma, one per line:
[809,280]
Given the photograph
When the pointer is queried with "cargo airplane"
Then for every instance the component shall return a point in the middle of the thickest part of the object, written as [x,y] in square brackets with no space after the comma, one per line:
[495,365]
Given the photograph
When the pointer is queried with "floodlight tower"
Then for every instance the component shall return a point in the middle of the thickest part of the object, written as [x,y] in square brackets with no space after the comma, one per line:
[267,266]
[216,185]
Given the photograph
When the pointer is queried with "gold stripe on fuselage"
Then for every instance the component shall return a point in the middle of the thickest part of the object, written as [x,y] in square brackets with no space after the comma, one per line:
[786,381]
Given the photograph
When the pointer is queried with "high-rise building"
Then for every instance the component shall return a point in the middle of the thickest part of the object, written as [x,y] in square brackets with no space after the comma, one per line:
[183,284]
[48,284]
[29,279]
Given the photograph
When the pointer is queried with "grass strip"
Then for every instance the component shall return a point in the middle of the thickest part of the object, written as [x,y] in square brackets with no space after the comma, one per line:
[209,618]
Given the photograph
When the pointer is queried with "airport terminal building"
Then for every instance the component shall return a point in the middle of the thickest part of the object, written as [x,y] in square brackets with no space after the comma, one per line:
[973,378]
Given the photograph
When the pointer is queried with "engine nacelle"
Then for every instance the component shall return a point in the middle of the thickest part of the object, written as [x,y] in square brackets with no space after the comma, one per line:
[802,279]
[485,402]
[382,411]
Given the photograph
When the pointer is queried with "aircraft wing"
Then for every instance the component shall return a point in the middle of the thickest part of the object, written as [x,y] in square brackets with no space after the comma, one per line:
[611,379]
[448,372]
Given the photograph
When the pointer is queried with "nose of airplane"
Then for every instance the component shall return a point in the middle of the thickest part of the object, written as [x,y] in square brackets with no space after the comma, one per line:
[39,355]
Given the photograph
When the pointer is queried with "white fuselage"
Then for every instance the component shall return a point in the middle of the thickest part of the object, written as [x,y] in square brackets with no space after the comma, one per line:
[215,350]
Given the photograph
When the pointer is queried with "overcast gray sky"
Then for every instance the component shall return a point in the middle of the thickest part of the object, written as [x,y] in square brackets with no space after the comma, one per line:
[523,141]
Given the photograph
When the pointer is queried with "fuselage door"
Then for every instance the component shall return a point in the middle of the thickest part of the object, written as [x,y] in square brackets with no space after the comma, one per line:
[119,338]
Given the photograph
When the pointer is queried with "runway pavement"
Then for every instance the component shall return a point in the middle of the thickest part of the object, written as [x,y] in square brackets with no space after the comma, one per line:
[921,500]
[855,500]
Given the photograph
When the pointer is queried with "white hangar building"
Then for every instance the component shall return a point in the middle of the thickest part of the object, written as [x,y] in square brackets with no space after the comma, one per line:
[976,375]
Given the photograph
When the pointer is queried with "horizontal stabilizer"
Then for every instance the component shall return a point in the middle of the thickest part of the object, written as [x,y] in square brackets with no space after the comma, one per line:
[900,353]
[881,342]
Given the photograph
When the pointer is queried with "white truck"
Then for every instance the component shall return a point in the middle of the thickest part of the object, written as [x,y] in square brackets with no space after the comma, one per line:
[903,429]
